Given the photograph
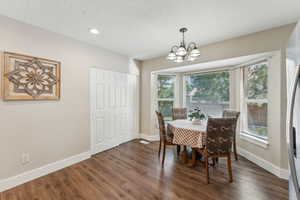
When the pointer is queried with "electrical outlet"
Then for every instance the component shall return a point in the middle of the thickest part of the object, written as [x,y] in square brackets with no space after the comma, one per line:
[25,159]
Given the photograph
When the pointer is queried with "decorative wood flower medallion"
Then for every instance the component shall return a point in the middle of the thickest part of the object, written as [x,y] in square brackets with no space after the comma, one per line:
[27,78]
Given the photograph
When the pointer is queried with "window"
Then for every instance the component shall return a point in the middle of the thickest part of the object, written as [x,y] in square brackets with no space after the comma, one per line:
[166,95]
[209,91]
[255,100]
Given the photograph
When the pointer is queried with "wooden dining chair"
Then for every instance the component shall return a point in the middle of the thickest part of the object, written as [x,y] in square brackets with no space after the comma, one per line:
[179,113]
[219,136]
[233,114]
[166,138]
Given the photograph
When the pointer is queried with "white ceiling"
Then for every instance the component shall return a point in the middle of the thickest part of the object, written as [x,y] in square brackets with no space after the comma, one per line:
[147,28]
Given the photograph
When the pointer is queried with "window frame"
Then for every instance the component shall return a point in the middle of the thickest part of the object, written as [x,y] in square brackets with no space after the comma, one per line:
[203,73]
[245,132]
[166,99]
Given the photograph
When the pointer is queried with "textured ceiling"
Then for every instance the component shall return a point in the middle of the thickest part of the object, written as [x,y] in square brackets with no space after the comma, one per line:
[147,28]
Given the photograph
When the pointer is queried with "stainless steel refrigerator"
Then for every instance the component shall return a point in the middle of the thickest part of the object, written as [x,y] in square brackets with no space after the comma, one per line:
[293,112]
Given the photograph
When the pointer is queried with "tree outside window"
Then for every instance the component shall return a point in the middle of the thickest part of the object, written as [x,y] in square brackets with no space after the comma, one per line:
[210,91]
[256,102]
[166,95]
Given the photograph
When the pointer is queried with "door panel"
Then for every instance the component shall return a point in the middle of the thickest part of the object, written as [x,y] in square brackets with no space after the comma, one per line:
[99,130]
[114,108]
[100,102]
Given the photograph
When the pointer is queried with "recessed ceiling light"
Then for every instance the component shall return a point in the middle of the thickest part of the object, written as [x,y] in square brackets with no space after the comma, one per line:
[94,31]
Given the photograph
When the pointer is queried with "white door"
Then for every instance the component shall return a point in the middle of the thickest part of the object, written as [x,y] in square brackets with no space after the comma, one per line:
[132,106]
[112,108]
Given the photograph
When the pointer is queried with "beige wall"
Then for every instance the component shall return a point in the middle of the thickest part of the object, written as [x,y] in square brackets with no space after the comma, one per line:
[276,152]
[50,130]
[265,41]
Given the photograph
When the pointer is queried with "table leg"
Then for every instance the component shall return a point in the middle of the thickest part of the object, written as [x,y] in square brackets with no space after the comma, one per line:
[185,154]
[194,157]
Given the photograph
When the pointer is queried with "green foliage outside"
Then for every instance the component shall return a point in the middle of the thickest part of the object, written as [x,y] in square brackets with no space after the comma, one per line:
[165,89]
[257,88]
[212,87]
[259,130]
[165,107]
[257,85]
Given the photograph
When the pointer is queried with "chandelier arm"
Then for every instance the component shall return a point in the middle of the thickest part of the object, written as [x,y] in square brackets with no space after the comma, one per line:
[191,46]
[174,48]
[184,52]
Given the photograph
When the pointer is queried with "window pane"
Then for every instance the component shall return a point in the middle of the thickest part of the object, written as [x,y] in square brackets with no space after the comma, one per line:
[209,91]
[165,107]
[257,119]
[257,81]
[255,96]
[165,86]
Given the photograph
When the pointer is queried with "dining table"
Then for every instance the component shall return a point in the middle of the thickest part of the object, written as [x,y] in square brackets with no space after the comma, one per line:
[184,132]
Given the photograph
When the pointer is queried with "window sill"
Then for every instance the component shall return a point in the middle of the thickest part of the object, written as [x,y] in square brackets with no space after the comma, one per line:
[257,141]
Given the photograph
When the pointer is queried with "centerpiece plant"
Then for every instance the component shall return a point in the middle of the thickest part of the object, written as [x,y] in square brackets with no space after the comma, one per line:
[196,115]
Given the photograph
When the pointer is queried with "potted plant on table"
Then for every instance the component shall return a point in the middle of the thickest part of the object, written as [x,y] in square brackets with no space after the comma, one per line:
[197,116]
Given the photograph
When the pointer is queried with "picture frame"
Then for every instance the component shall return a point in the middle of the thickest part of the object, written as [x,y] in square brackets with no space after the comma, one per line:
[30,78]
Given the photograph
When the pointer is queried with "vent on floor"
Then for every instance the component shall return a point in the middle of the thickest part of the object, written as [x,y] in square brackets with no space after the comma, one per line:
[144,142]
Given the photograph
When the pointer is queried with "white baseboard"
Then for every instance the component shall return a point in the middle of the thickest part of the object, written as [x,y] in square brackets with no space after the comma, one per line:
[281,173]
[14,181]
[149,137]
[284,174]
[130,137]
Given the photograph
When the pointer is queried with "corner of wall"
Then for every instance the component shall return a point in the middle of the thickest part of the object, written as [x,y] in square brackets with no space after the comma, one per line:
[284,153]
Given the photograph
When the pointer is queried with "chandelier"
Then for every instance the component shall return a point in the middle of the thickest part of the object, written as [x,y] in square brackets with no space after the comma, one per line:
[182,53]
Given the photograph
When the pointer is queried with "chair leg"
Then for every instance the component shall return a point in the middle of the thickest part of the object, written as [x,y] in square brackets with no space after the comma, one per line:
[214,162]
[229,168]
[159,149]
[207,169]
[234,149]
[164,154]
[178,150]
[185,154]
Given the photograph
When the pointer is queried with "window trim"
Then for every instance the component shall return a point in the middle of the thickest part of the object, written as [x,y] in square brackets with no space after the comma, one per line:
[166,99]
[253,139]
[245,133]
[175,90]
[184,94]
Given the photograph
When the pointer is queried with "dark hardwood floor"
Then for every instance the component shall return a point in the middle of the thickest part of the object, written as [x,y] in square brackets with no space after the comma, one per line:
[132,171]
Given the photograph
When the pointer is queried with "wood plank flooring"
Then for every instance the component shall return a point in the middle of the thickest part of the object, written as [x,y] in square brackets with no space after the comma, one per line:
[132,171]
